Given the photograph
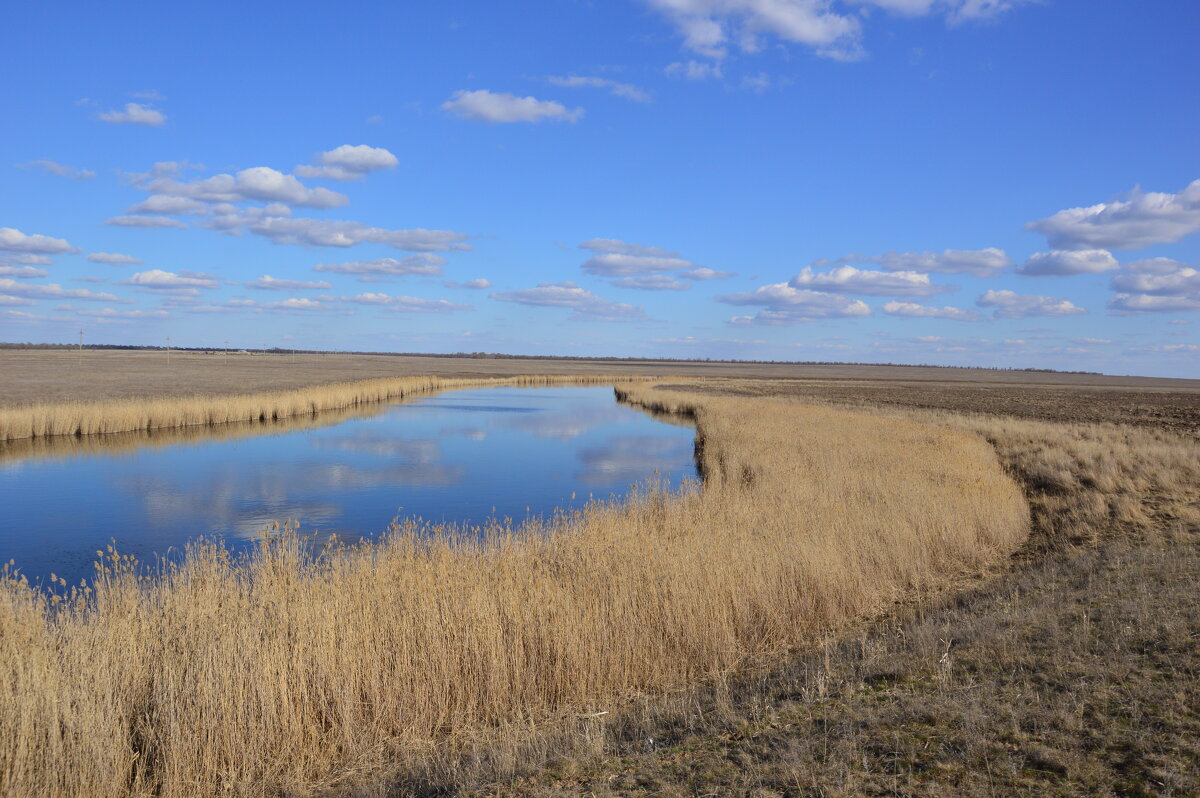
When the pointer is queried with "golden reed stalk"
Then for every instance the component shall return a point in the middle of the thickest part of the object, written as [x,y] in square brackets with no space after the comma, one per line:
[92,418]
[345,671]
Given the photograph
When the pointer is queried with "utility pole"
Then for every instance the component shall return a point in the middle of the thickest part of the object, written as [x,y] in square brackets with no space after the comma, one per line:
[226,351]
[168,350]
[81,346]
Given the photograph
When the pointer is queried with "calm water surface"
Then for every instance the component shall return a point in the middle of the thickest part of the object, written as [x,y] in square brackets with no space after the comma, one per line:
[461,456]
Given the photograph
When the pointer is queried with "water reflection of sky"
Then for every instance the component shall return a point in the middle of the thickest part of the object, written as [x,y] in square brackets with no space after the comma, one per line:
[458,457]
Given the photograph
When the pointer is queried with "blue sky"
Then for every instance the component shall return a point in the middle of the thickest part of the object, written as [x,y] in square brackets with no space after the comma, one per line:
[961,182]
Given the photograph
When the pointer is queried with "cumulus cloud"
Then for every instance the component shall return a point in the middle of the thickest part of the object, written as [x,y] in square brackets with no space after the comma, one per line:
[62,170]
[1156,285]
[612,264]
[269,283]
[501,107]
[13,240]
[626,90]
[164,281]
[708,27]
[402,304]
[423,263]
[1063,262]
[478,284]
[349,162]
[334,233]
[114,258]
[652,282]
[10,301]
[258,183]
[785,304]
[1010,305]
[293,304]
[704,273]
[52,291]
[914,311]
[975,262]
[1140,219]
[165,203]
[22,272]
[144,221]
[616,258]
[586,305]
[849,280]
[135,114]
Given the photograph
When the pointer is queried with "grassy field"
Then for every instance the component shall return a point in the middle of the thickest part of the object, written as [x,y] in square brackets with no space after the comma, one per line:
[1075,670]
[414,659]
[36,376]
[898,634]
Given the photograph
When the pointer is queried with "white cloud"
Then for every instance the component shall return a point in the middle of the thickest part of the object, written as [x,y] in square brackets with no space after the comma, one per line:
[612,264]
[269,283]
[334,233]
[1161,276]
[13,240]
[478,284]
[293,304]
[849,280]
[1010,305]
[975,262]
[1156,285]
[22,272]
[1139,220]
[616,258]
[159,280]
[1062,262]
[486,106]
[109,313]
[25,259]
[62,170]
[165,203]
[258,183]
[349,162]
[708,25]
[626,90]
[785,304]
[114,258]
[144,221]
[402,304]
[135,114]
[586,305]
[10,301]
[625,248]
[914,311]
[652,282]
[52,291]
[705,273]
[694,70]
[423,263]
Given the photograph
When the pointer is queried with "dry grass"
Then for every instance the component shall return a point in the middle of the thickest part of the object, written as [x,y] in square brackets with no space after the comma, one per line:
[116,416]
[389,665]
[35,376]
[1075,672]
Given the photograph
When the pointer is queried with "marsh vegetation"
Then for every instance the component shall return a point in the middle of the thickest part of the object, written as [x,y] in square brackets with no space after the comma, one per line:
[427,657]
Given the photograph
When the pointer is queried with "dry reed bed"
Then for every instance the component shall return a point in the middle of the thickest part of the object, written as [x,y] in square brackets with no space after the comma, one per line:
[92,418]
[289,673]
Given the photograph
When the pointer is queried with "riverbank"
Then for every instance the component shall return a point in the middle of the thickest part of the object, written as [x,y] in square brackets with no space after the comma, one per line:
[410,660]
